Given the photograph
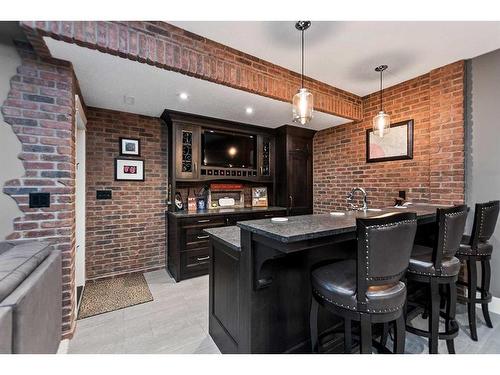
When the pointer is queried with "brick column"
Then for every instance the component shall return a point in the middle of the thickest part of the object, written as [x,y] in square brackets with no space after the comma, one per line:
[40,109]
[447,154]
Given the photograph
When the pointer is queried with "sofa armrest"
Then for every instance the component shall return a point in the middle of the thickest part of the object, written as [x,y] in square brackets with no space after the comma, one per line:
[5,330]
[37,309]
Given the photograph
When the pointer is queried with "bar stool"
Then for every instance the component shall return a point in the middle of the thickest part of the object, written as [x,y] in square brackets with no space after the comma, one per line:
[437,266]
[368,289]
[476,248]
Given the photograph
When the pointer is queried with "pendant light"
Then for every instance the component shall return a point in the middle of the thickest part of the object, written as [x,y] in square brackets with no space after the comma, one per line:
[382,121]
[303,99]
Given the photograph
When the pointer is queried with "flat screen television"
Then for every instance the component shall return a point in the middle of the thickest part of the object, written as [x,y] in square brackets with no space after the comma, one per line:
[231,150]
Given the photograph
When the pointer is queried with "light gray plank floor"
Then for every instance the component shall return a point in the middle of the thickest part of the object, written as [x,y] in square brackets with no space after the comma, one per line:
[176,322]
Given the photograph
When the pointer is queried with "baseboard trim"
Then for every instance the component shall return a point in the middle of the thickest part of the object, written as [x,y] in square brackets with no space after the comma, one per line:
[494,305]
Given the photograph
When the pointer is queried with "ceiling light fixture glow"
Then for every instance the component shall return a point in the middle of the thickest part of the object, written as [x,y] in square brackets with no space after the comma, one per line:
[183,96]
[249,110]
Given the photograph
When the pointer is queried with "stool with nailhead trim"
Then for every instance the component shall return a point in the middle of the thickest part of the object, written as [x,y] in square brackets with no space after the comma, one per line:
[368,289]
[437,266]
[476,248]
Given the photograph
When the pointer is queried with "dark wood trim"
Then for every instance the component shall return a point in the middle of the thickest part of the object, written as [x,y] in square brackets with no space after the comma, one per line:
[409,148]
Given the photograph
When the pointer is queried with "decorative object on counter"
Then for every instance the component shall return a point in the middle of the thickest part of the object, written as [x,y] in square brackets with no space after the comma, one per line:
[279,219]
[259,197]
[382,121]
[397,145]
[130,147]
[303,99]
[226,194]
[129,169]
[201,199]
[191,201]
[226,202]
[179,206]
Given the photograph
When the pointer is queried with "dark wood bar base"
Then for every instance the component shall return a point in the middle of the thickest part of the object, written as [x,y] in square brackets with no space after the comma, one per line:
[260,293]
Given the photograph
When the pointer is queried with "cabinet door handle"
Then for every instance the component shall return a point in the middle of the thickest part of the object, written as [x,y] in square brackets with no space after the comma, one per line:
[195,167]
[202,237]
[291,201]
[268,215]
[203,258]
[261,170]
[204,221]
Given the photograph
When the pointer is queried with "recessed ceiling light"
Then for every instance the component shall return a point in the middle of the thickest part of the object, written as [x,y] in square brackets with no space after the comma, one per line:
[183,96]
[249,110]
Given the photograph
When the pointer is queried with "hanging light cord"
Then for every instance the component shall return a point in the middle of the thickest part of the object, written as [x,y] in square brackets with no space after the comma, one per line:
[381,72]
[302,72]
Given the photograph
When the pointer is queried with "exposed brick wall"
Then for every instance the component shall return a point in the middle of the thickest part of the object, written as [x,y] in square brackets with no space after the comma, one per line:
[126,233]
[40,107]
[435,174]
[447,102]
[172,48]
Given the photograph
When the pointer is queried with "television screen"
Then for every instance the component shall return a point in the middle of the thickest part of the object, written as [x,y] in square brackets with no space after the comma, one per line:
[228,150]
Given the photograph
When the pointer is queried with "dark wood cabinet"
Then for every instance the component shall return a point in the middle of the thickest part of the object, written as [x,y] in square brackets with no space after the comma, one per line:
[294,174]
[188,246]
[187,151]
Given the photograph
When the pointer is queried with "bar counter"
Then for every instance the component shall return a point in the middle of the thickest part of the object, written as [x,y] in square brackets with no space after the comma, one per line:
[259,277]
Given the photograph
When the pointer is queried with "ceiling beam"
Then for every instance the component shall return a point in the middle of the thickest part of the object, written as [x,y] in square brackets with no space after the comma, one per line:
[172,48]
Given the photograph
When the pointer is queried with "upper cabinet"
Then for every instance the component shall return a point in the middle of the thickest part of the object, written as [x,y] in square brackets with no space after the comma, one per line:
[187,151]
[294,169]
[265,157]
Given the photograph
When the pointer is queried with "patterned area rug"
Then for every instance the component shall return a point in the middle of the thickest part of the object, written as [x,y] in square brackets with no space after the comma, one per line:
[113,294]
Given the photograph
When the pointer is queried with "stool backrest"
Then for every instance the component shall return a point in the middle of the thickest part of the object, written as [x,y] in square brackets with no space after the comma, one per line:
[384,248]
[485,220]
[450,228]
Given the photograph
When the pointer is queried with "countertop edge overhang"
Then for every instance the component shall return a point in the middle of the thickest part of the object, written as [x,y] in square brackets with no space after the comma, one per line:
[323,225]
[224,211]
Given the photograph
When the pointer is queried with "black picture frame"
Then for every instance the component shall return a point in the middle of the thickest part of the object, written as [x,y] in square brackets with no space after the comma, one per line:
[409,144]
[125,139]
[130,179]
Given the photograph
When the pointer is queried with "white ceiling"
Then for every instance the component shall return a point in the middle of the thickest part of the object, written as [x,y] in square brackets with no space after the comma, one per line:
[344,54]
[105,80]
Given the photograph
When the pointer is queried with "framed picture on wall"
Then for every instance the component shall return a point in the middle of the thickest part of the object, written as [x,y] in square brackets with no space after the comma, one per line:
[130,147]
[129,169]
[395,145]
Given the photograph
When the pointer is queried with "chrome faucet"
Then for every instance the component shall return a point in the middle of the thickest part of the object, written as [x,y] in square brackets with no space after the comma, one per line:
[350,199]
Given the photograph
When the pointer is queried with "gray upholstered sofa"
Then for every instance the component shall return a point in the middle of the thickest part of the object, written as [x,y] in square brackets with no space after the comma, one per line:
[30,297]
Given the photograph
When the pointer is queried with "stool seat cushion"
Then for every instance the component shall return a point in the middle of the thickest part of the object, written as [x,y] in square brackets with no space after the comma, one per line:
[483,248]
[421,263]
[336,283]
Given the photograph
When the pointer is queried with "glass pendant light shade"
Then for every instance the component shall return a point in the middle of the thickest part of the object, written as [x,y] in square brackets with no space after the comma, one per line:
[381,124]
[303,106]
[382,121]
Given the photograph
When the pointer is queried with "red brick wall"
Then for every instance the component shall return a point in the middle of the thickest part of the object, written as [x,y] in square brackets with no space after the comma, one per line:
[40,110]
[435,174]
[126,233]
[172,48]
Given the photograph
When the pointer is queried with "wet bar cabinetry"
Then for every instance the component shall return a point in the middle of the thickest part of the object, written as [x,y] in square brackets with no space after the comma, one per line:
[188,246]
[282,162]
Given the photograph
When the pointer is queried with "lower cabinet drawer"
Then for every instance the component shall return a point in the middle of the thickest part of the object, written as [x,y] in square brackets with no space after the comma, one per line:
[195,262]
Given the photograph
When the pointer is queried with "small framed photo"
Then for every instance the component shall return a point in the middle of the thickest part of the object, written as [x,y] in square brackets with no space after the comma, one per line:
[259,197]
[129,169]
[130,147]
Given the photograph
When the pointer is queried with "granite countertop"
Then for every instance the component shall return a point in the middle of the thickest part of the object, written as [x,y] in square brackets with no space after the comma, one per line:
[305,227]
[225,211]
[230,236]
